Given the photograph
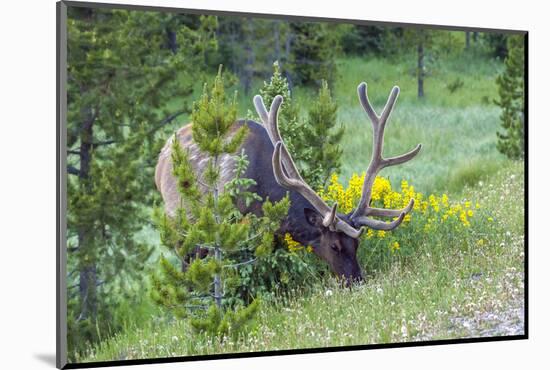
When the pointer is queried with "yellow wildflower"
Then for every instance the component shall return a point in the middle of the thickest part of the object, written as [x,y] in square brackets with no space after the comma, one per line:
[434,202]
[394,246]
[445,200]
[464,219]
[292,245]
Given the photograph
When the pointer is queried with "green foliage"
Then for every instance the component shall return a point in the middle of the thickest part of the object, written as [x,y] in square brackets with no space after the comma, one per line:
[292,129]
[359,39]
[324,138]
[496,43]
[456,84]
[218,323]
[210,220]
[511,85]
[212,120]
[313,143]
[277,273]
[120,78]
[314,49]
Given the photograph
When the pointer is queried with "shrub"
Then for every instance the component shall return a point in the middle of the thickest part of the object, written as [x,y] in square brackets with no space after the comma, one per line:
[212,222]
[456,84]
[511,100]
[433,220]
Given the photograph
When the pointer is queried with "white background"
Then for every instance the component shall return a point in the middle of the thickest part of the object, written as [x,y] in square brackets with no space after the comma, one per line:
[27,180]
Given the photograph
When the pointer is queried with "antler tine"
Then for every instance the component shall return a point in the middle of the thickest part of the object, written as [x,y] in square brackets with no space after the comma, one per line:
[296,184]
[389,212]
[260,108]
[270,121]
[364,99]
[402,158]
[359,215]
[379,225]
[282,162]
[389,105]
[330,217]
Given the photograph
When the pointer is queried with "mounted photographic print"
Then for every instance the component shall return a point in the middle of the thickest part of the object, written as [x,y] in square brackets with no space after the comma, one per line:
[235,184]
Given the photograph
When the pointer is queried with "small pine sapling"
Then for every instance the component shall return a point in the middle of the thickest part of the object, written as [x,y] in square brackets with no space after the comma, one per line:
[211,221]
[324,136]
[512,100]
[313,143]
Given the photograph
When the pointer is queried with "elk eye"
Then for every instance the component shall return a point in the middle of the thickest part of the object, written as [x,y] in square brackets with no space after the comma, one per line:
[335,247]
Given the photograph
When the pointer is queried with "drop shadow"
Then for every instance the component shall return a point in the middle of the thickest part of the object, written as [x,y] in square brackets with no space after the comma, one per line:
[47,358]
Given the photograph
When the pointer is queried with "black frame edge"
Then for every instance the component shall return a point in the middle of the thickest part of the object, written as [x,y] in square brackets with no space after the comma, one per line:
[526,184]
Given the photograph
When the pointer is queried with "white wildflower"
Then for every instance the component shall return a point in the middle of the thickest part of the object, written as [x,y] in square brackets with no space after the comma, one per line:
[328,293]
[404,331]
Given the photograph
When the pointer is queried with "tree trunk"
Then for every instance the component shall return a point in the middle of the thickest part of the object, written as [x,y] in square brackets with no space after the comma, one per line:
[467,40]
[420,71]
[249,62]
[171,41]
[218,294]
[88,276]
[475,36]
[288,50]
[277,41]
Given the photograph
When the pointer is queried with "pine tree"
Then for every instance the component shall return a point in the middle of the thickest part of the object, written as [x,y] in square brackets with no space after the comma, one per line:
[121,75]
[313,143]
[324,137]
[291,128]
[511,85]
[314,50]
[212,221]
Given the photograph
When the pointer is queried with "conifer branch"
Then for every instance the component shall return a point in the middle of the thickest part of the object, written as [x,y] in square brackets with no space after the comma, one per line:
[71,170]
[241,263]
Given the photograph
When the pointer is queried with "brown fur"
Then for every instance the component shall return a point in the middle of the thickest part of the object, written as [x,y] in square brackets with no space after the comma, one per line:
[166,182]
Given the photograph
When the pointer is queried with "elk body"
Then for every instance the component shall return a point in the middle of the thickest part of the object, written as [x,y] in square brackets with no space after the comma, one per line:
[333,236]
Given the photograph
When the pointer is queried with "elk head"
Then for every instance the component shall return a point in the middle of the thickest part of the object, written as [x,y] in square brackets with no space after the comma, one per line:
[338,234]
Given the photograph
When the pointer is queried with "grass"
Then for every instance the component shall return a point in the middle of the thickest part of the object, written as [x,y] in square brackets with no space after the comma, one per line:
[452,139]
[455,290]
[457,129]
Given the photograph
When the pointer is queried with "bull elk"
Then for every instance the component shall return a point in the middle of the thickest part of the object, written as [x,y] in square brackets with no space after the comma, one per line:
[333,236]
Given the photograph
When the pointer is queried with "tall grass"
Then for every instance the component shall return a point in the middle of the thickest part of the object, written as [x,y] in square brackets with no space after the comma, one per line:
[469,287]
[453,139]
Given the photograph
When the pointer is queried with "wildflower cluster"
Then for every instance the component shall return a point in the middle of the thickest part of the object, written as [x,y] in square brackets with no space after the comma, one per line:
[294,246]
[430,212]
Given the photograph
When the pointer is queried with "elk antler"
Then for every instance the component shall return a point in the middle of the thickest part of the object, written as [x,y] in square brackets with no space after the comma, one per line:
[359,215]
[282,162]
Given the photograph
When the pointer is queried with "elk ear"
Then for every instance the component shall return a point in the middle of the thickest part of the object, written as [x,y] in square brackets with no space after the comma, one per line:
[313,217]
